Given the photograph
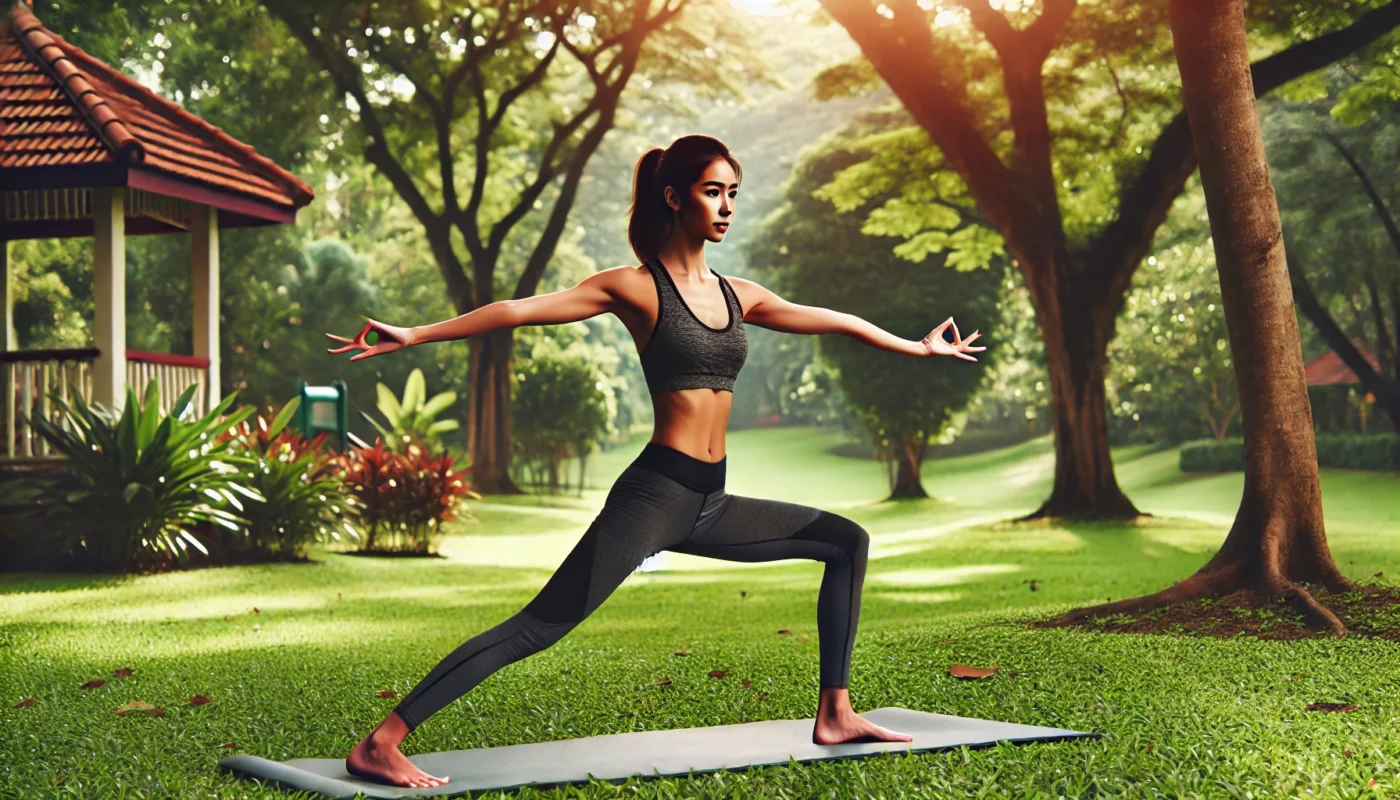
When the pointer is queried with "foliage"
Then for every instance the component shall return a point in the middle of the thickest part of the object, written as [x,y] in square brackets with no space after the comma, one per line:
[135,483]
[304,499]
[403,497]
[413,418]
[1170,378]
[1378,451]
[903,401]
[563,404]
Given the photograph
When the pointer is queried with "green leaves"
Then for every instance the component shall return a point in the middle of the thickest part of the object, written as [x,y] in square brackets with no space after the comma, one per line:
[413,417]
[134,481]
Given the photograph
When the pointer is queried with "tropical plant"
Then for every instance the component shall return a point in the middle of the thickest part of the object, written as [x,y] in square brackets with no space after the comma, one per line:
[135,482]
[403,497]
[413,418]
[304,498]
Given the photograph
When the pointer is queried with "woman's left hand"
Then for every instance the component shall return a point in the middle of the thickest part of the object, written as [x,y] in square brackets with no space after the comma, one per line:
[935,345]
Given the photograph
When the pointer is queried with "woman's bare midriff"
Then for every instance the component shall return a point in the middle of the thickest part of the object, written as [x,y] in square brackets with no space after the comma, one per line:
[692,421]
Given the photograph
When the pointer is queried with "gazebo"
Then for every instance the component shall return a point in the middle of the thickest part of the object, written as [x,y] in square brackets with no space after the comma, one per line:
[1332,387]
[88,151]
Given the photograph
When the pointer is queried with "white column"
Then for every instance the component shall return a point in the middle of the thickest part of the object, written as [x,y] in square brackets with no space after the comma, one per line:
[204,248]
[7,301]
[109,296]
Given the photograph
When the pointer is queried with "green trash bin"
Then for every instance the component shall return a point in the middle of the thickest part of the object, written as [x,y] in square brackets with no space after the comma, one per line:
[324,409]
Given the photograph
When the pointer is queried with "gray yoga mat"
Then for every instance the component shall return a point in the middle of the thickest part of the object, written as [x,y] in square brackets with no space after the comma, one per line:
[616,757]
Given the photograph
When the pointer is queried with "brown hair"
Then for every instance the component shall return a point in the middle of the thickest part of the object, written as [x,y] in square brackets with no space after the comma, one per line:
[678,166]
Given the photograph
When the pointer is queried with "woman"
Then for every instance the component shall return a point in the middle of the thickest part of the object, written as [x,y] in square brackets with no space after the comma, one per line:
[688,323]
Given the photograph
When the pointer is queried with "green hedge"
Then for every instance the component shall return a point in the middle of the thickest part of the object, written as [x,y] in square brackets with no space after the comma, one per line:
[1378,451]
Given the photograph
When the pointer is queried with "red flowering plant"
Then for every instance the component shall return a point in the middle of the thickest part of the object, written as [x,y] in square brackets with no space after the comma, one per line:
[305,499]
[403,497]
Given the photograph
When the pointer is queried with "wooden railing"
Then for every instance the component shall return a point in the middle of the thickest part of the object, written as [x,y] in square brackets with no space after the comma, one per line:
[30,376]
[174,373]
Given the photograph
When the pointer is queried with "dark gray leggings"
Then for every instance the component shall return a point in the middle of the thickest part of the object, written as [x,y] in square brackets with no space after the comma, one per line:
[666,500]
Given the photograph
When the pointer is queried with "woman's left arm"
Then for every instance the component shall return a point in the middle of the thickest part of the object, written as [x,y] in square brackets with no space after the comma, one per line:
[766,309]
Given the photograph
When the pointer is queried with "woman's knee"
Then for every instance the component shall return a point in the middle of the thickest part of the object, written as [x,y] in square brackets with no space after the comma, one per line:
[846,535]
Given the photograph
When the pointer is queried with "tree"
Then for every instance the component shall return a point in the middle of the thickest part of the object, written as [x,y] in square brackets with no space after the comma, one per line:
[426,88]
[1277,542]
[903,402]
[1010,155]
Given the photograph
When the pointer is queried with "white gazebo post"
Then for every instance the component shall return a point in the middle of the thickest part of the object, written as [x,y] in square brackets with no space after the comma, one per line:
[109,296]
[7,300]
[204,241]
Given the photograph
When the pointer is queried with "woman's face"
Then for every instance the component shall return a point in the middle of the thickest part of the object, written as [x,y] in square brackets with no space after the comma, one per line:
[709,206]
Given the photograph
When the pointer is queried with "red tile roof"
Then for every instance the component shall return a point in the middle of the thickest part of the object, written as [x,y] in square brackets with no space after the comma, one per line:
[60,106]
[1329,368]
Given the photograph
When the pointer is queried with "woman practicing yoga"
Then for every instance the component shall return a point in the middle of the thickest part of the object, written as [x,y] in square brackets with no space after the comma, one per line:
[688,322]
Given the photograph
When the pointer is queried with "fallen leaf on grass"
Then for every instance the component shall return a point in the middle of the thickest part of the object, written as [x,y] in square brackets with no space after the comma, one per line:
[198,700]
[1294,677]
[140,705]
[757,698]
[229,745]
[970,673]
[93,684]
[123,672]
[783,631]
[228,619]
[747,683]
[1332,707]
[386,693]
[662,682]
[255,610]
[627,713]
[681,653]
[718,673]
[23,703]
[799,639]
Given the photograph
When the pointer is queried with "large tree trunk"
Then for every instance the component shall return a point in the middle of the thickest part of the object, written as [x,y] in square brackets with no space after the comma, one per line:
[1076,348]
[488,404]
[1277,541]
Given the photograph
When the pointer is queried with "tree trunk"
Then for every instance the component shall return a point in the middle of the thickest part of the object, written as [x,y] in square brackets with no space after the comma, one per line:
[488,407]
[1277,542]
[1076,349]
[909,456]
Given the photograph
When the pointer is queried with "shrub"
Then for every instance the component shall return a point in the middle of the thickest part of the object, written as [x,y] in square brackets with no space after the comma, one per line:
[304,499]
[403,497]
[133,485]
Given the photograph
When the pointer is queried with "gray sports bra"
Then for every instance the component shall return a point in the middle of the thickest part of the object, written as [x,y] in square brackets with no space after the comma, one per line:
[685,353]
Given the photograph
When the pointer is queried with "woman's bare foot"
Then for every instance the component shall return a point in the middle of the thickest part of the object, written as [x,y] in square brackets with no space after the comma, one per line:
[838,723]
[377,758]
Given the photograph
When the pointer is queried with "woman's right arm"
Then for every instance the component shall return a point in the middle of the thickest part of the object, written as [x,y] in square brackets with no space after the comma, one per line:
[596,294]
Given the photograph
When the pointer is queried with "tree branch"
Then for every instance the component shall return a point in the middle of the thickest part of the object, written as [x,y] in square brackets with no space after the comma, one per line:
[899,51]
[1143,206]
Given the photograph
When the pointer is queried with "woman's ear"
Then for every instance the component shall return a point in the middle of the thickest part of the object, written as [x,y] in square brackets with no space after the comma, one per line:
[672,199]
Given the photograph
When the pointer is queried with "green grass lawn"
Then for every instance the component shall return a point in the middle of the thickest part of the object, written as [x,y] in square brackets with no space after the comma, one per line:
[947,582]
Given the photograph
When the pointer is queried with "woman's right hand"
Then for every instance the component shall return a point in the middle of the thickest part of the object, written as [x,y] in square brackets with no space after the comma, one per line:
[391,338]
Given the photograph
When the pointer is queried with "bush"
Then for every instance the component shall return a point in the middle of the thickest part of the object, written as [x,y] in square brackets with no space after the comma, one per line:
[402,497]
[1379,451]
[304,499]
[133,486]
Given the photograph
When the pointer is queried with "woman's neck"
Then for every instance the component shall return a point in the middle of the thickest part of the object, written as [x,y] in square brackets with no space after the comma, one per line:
[687,257]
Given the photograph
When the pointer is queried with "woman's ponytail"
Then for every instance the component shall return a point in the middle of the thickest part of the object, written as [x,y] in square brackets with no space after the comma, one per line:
[649,218]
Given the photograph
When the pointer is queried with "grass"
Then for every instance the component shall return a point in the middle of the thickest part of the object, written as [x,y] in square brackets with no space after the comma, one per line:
[948,582]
